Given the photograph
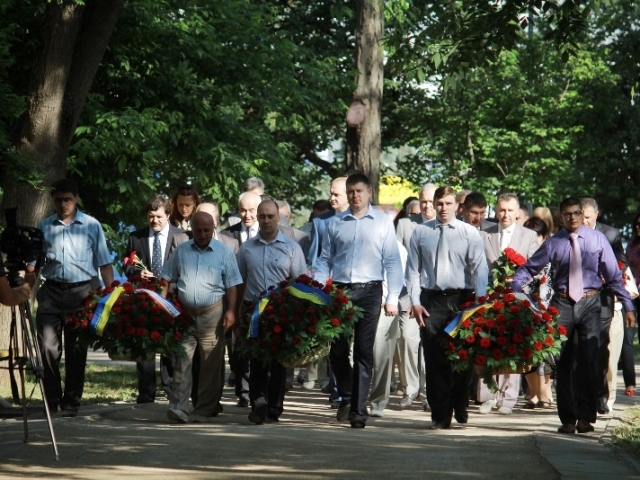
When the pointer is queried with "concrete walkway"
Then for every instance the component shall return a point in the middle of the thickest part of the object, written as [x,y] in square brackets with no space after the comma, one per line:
[124,440]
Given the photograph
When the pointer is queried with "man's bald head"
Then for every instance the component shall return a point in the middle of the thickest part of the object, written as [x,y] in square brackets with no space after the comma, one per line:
[202,227]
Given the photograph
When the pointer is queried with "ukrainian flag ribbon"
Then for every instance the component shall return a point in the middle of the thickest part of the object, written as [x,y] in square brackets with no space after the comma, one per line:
[103,310]
[162,302]
[298,290]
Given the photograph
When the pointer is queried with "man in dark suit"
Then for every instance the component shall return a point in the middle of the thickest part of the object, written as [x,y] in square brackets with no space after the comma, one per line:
[153,244]
[611,321]
[475,208]
[248,228]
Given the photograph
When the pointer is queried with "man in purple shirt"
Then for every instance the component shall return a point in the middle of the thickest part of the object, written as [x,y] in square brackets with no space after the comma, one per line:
[578,368]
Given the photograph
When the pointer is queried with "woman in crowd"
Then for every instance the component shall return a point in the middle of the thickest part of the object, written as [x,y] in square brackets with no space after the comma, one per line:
[544,214]
[626,355]
[410,206]
[539,381]
[183,206]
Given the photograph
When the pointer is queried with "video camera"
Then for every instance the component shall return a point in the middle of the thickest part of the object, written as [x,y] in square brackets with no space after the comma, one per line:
[22,245]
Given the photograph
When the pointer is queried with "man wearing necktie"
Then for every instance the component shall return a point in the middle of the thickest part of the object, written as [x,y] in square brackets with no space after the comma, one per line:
[505,234]
[153,244]
[447,267]
[581,257]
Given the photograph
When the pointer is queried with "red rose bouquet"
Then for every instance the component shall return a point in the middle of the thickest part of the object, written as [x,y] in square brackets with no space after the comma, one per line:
[505,268]
[296,321]
[132,320]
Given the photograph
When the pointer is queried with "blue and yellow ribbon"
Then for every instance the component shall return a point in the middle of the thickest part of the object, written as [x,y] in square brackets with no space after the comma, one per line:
[103,310]
[298,290]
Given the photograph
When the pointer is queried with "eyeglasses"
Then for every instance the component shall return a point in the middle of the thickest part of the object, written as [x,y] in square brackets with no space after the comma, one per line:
[571,214]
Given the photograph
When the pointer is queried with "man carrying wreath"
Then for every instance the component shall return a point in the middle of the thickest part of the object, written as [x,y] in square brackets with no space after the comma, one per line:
[447,267]
[581,257]
[264,261]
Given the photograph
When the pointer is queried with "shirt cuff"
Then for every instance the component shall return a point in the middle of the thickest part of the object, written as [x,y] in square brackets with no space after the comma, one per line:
[392,299]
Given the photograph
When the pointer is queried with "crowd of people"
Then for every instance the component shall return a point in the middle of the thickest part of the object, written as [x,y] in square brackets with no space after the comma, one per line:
[407,274]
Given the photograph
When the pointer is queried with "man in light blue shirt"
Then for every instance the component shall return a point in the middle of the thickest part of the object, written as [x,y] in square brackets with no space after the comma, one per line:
[359,245]
[447,266]
[205,270]
[76,249]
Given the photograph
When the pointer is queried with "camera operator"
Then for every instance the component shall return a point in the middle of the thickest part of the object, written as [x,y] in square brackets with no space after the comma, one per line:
[75,248]
[12,296]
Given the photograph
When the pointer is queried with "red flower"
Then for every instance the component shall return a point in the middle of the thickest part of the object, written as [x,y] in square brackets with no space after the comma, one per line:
[501,317]
[550,329]
[485,342]
[512,349]
[179,336]
[466,323]
[130,330]
[509,297]
[514,324]
[518,338]
[549,341]
[482,299]
[477,330]
[514,308]
[538,345]
[141,332]
[526,304]
[528,330]
[537,319]
[470,339]
[155,336]
[498,305]
[502,329]
[311,329]
[562,330]
[501,340]
[335,322]
[464,355]
[497,354]
[553,310]
[527,353]
[489,323]
[277,328]
[479,321]
[480,360]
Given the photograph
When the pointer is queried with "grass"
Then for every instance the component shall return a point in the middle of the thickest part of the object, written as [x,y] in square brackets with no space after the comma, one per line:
[627,432]
[103,384]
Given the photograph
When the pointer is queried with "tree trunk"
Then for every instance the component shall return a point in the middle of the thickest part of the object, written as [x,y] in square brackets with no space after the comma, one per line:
[72,45]
[364,118]
[73,42]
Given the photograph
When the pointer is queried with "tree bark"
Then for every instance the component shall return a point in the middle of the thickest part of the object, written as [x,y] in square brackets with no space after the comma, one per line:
[363,138]
[73,42]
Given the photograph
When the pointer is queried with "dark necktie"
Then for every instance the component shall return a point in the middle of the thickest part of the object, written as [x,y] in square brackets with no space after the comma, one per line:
[156,256]
[575,269]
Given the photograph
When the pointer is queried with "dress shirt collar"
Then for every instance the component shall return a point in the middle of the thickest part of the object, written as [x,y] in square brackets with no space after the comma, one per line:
[79,217]
[163,233]
[452,224]
[208,247]
[510,229]
[371,213]
[253,228]
[279,238]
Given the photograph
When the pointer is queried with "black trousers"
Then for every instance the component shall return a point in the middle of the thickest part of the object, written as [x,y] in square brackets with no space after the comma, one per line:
[579,373]
[54,306]
[447,391]
[627,361]
[268,381]
[353,382]
[146,370]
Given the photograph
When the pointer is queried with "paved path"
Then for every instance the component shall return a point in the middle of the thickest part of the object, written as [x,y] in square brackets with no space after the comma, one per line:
[124,440]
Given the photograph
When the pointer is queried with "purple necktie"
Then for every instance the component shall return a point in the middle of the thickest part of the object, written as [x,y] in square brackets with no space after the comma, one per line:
[575,270]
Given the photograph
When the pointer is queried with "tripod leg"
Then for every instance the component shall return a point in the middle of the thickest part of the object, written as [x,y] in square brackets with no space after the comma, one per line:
[24,404]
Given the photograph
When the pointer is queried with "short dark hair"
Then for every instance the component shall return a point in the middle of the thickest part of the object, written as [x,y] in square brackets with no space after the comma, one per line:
[538,225]
[157,202]
[358,177]
[64,185]
[321,204]
[442,192]
[475,199]
[570,202]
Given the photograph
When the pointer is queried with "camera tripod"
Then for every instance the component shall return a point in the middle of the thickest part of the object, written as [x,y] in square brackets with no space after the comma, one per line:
[24,354]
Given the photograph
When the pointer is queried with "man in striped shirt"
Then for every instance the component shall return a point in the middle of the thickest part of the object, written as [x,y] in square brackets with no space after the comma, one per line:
[205,270]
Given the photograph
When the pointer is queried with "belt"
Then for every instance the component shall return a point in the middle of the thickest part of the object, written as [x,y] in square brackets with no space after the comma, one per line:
[448,291]
[200,311]
[587,294]
[66,285]
[358,286]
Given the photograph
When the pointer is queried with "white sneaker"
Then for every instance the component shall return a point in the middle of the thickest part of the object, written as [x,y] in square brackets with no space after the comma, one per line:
[487,406]
[309,385]
[505,411]
[178,415]
[376,413]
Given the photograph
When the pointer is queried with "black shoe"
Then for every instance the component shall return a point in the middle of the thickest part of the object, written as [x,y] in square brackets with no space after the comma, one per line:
[584,427]
[567,428]
[259,413]
[462,417]
[144,399]
[217,410]
[343,411]
[242,403]
[357,423]
[335,404]
[69,411]
[440,426]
